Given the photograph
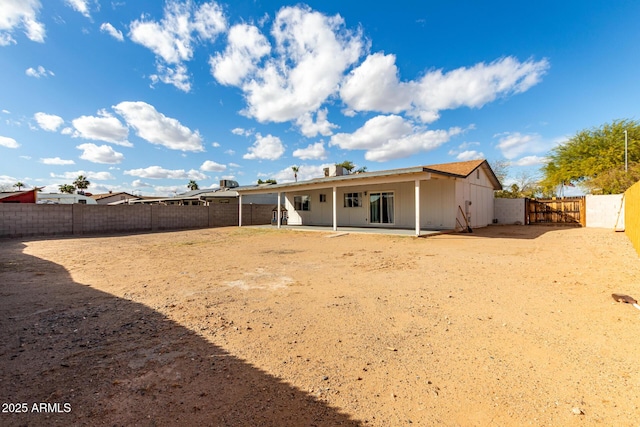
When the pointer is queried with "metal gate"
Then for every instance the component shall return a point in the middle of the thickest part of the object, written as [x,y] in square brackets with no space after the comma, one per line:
[566,210]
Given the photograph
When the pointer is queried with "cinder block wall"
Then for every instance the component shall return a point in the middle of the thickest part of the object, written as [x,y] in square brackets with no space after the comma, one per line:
[509,211]
[25,219]
[175,217]
[120,218]
[632,215]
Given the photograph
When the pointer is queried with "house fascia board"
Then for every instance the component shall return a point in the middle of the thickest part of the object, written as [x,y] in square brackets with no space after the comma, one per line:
[369,178]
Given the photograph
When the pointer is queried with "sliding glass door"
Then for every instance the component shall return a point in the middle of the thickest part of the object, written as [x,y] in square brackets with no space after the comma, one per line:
[381,208]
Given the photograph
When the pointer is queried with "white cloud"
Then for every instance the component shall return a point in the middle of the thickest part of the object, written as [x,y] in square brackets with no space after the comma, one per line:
[157,172]
[241,132]
[169,190]
[56,161]
[373,134]
[514,144]
[79,6]
[378,71]
[311,52]
[112,31]
[392,137]
[211,166]
[71,176]
[215,144]
[230,152]
[305,173]
[436,91]
[100,154]
[172,39]
[48,122]
[38,72]
[312,152]
[20,14]
[157,128]
[137,183]
[470,155]
[244,49]
[531,161]
[7,142]
[105,128]
[269,147]
[321,126]
[177,76]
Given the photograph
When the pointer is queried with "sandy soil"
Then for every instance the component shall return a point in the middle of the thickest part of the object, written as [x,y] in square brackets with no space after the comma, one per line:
[251,327]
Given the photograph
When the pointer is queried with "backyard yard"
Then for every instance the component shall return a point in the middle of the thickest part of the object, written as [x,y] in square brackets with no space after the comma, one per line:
[509,325]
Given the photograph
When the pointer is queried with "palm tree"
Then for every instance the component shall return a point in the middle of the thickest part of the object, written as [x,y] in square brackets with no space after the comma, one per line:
[19,185]
[81,183]
[295,170]
[67,188]
[192,185]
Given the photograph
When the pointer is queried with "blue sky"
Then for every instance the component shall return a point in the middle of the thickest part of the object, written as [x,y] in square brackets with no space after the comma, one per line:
[143,96]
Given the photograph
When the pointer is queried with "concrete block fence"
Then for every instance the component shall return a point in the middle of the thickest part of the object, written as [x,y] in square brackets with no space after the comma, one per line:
[25,219]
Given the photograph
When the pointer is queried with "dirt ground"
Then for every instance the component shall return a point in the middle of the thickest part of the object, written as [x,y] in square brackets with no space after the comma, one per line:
[510,325]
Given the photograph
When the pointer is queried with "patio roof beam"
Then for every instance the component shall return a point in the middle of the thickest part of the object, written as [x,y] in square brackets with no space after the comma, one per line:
[417,203]
[335,208]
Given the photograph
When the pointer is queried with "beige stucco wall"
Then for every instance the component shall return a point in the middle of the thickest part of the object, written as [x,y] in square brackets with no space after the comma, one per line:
[439,200]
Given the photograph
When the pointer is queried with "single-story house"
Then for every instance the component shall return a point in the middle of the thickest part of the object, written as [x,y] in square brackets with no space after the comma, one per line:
[27,196]
[227,193]
[64,199]
[114,198]
[435,197]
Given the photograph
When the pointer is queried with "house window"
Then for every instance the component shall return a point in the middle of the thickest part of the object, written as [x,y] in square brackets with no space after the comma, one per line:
[381,208]
[478,173]
[302,203]
[352,200]
[323,198]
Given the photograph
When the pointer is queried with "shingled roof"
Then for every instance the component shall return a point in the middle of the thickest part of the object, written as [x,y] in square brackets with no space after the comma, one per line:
[464,169]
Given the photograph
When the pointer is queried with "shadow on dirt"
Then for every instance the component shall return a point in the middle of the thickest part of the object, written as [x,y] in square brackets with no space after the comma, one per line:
[515,231]
[95,359]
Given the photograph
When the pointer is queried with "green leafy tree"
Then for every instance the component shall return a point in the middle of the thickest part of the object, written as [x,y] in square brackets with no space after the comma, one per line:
[614,181]
[19,185]
[362,169]
[268,181]
[595,159]
[192,185]
[67,188]
[81,183]
[295,170]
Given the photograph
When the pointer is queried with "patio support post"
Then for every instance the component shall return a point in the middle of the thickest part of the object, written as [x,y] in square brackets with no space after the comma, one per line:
[335,208]
[240,210]
[278,213]
[417,200]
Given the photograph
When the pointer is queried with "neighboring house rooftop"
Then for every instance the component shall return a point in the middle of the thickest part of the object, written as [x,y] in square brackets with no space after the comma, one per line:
[27,196]
[106,195]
